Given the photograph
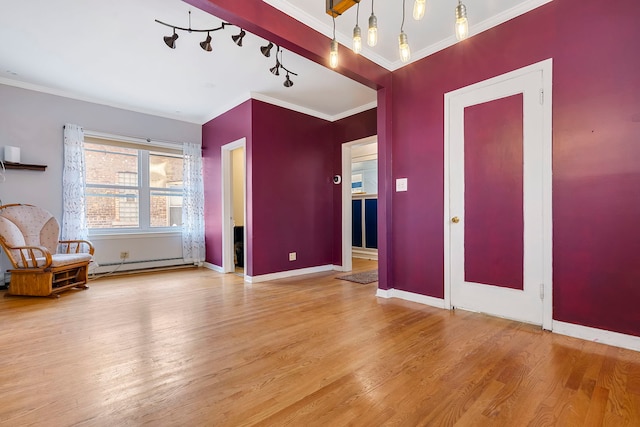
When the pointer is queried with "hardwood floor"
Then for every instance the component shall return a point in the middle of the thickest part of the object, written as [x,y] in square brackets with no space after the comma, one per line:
[194,347]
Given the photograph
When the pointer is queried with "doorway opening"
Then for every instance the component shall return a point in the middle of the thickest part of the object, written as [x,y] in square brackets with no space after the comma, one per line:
[359,200]
[234,207]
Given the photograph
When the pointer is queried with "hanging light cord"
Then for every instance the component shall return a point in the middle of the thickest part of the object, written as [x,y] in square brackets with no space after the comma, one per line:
[402,25]
[334,26]
[358,13]
[372,6]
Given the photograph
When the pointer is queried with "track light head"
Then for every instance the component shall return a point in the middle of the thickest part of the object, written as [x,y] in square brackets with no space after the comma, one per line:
[237,39]
[288,82]
[206,44]
[276,69]
[266,50]
[171,40]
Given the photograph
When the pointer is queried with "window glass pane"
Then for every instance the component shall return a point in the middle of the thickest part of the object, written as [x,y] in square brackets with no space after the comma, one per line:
[108,165]
[166,209]
[112,208]
[165,171]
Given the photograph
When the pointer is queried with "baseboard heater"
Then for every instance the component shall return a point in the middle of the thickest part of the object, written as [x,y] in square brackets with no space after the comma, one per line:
[149,264]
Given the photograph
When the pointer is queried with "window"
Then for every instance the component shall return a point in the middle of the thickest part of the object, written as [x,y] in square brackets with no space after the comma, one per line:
[132,187]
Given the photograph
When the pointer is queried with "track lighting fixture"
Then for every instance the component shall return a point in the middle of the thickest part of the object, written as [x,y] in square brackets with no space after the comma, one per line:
[372,34]
[357,33]
[206,45]
[237,39]
[266,50]
[275,70]
[403,40]
[462,25]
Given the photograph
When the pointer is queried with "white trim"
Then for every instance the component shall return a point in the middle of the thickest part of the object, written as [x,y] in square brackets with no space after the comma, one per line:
[227,203]
[213,267]
[288,273]
[100,101]
[546,67]
[410,296]
[220,110]
[603,336]
[339,268]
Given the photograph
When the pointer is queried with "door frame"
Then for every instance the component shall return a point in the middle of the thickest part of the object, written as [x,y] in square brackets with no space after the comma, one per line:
[546,67]
[347,244]
[227,204]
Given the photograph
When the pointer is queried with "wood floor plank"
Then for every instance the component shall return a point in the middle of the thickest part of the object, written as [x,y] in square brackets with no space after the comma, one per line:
[195,347]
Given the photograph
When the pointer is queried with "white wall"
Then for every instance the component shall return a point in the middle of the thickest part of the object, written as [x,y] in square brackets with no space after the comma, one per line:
[33,121]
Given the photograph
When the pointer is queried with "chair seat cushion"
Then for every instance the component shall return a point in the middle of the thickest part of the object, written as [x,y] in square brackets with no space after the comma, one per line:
[59,260]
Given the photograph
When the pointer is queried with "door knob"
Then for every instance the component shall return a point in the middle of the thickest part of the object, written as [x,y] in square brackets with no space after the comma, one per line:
[455,220]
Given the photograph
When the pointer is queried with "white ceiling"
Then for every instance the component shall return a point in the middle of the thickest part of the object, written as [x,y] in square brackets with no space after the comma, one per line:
[112,52]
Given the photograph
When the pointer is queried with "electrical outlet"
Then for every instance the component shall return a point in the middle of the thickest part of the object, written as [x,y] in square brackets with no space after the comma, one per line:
[124,255]
[292,256]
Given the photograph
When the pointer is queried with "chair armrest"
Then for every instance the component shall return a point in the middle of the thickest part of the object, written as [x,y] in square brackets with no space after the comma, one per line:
[29,256]
[74,246]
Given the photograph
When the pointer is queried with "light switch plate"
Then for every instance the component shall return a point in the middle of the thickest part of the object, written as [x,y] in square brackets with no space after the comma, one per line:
[401,184]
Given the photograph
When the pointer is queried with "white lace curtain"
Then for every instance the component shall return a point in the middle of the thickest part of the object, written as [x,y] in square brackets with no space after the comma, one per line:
[193,248]
[74,218]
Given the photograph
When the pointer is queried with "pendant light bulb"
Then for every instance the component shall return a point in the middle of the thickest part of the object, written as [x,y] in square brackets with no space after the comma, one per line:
[372,34]
[357,39]
[462,25]
[419,8]
[405,52]
[333,56]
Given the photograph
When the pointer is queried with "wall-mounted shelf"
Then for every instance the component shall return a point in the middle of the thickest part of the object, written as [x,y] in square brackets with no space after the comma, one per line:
[8,165]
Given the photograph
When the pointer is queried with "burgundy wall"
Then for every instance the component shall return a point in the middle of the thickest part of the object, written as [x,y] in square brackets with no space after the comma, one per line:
[292,189]
[292,203]
[226,128]
[596,172]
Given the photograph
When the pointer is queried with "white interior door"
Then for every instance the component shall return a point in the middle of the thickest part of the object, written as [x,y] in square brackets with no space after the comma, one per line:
[499,182]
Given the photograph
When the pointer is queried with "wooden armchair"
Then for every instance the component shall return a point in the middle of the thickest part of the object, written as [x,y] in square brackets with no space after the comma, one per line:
[42,265]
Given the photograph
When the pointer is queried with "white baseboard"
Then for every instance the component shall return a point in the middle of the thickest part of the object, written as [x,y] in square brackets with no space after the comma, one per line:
[410,296]
[213,267]
[364,254]
[615,339]
[289,273]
